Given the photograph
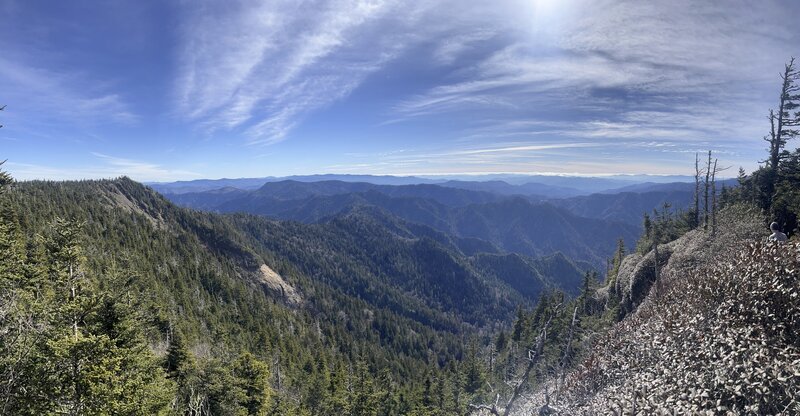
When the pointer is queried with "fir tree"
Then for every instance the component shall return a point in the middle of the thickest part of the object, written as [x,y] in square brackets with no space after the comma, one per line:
[253,378]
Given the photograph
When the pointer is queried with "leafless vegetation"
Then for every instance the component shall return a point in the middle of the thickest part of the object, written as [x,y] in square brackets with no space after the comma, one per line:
[718,334]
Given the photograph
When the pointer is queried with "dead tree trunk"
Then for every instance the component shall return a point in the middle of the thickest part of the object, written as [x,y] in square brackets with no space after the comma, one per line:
[788,88]
[696,190]
[714,199]
[655,261]
[533,358]
[707,185]
[567,351]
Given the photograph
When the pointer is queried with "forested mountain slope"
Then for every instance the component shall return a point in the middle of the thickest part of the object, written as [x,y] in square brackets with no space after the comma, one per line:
[627,207]
[202,185]
[533,190]
[361,290]
[276,196]
[512,224]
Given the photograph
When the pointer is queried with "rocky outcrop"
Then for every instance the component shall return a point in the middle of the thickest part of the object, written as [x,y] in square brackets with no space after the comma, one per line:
[275,283]
[716,333]
[637,273]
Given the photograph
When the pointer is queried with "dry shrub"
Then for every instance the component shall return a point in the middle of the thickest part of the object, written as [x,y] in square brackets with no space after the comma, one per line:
[721,337]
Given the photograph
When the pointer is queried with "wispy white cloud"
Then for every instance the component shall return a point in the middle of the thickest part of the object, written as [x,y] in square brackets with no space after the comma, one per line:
[140,170]
[105,167]
[677,72]
[452,47]
[263,66]
[64,96]
[522,85]
[524,148]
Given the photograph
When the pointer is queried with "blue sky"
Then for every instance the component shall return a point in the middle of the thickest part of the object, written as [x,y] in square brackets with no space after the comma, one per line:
[175,90]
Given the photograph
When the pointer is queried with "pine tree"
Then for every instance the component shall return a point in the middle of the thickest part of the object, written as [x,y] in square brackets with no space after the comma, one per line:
[363,396]
[387,404]
[502,341]
[82,352]
[5,178]
[178,362]
[474,375]
[317,393]
[619,256]
[519,323]
[253,378]
[16,331]
[587,289]
[784,124]
[787,117]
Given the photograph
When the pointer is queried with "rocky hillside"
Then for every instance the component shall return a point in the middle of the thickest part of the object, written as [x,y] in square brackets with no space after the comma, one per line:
[717,333]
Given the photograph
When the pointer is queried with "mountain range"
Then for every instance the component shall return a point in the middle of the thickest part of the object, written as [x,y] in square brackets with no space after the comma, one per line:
[544,185]
[584,228]
[399,282]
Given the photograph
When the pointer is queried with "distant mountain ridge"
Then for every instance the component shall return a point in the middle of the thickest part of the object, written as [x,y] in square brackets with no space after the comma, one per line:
[538,184]
[506,223]
[202,185]
[627,207]
[667,187]
[533,189]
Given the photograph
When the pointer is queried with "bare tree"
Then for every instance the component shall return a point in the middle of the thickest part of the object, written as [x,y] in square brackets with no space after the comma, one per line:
[567,351]
[534,356]
[697,173]
[707,185]
[714,199]
[714,171]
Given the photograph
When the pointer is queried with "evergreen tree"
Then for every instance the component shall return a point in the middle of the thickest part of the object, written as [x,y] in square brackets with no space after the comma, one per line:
[784,123]
[587,289]
[253,378]
[502,341]
[363,397]
[178,362]
[387,403]
[5,179]
[786,205]
[474,373]
[519,323]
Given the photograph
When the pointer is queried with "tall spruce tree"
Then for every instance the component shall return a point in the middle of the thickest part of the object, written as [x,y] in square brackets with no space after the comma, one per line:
[785,121]
[252,377]
[784,124]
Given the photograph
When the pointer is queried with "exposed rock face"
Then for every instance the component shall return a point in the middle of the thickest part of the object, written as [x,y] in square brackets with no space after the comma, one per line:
[682,256]
[717,333]
[637,274]
[274,282]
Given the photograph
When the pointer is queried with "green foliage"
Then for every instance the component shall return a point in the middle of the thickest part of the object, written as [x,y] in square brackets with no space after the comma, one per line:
[474,377]
[182,291]
[5,178]
[178,362]
[774,186]
[662,227]
[67,347]
[782,204]
[785,207]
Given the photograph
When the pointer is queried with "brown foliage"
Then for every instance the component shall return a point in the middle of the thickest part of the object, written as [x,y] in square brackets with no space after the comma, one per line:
[721,336]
